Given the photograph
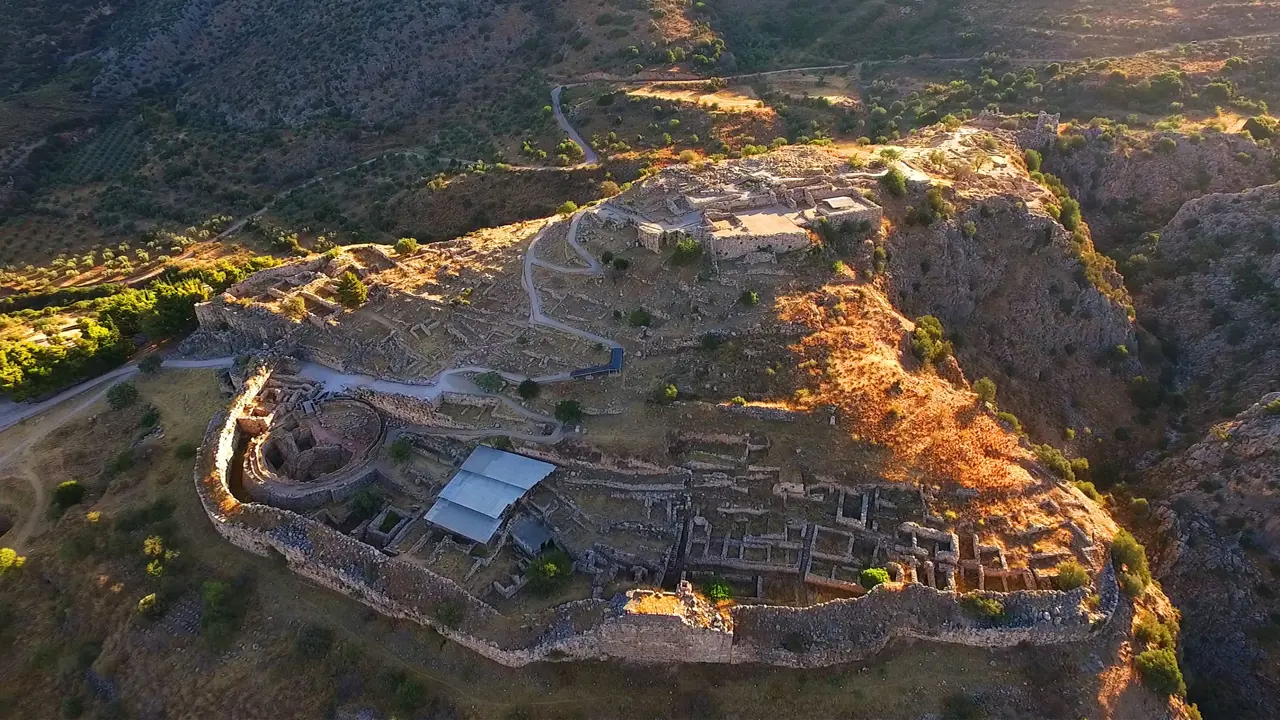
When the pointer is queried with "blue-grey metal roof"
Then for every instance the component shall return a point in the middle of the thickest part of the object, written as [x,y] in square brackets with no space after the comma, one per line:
[530,533]
[480,493]
[523,472]
[463,521]
[489,482]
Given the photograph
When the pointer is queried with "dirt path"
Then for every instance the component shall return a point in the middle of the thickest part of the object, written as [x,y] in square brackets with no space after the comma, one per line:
[19,538]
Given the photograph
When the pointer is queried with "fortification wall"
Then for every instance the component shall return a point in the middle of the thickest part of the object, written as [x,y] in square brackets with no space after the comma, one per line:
[833,632]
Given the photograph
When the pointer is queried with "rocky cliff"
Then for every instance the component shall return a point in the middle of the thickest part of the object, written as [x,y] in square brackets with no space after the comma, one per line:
[1130,184]
[1027,303]
[1207,284]
[1219,564]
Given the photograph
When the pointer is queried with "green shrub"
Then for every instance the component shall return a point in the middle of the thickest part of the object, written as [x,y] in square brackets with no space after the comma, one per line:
[1033,160]
[1011,420]
[68,493]
[550,573]
[10,560]
[1070,214]
[1131,557]
[879,259]
[927,342]
[982,608]
[410,695]
[717,588]
[1052,458]
[365,503]
[1071,575]
[620,264]
[1089,490]
[352,292]
[400,450]
[122,395]
[687,250]
[150,364]
[664,394]
[449,613]
[872,577]
[894,182]
[985,389]
[1159,668]
[222,609]
[406,246]
[490,382]
[750,298]
[529,389]
[1151,631]
[738,400]
[569,412]
[639,318]
[313,641]
[962,706]
[569,207]
[1166,144]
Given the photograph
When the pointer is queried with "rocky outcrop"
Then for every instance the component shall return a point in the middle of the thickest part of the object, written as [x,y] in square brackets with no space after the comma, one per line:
[1128,185]
[1013,287]
[1218,559]
[1208,286]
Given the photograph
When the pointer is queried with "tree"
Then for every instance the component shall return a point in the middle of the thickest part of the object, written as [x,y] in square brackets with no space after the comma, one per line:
[122,395]
[150,364]
[687,250]
[1159,668]
[529,389]
[67,494]
[1070,215]
[174,312]
[490,382]
[895,182]
[620,264]
[400,450]
[352,292]
[872,577]
[1033,160]
[550,572]
[1071,575]
[569,412]
[986,390]
[1131,556]
[927,342]
[406,246]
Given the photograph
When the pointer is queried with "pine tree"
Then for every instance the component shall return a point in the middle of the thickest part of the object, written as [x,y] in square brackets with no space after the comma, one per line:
[351,291]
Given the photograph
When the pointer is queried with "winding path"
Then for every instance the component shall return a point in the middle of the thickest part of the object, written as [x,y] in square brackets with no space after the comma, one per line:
[589,156]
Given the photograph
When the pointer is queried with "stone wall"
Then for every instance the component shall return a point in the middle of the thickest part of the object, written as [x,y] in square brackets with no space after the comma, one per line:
[825,634]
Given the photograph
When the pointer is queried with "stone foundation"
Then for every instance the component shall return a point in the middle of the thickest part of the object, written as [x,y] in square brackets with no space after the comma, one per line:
[689,631]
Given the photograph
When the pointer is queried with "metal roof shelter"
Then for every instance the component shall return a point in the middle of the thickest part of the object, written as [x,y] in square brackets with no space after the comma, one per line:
[489,482]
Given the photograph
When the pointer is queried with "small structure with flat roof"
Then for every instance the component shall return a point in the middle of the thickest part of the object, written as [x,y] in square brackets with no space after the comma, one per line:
[474,503]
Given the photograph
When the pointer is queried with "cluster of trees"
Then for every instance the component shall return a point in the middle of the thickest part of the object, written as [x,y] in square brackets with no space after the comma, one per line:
[104,340]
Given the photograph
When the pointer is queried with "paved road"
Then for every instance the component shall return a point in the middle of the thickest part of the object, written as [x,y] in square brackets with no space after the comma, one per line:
[589,156]
[536,316]
[14,413]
